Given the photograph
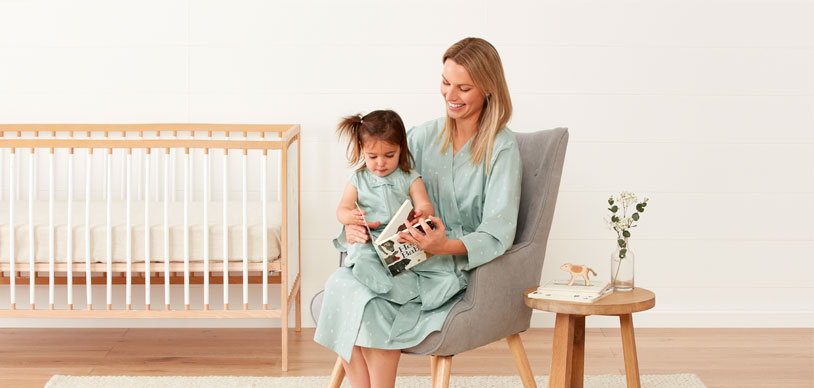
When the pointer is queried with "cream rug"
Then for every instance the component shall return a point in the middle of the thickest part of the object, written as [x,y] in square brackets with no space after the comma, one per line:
[604,381]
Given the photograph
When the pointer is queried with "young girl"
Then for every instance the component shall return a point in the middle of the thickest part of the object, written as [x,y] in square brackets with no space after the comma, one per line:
[377,143]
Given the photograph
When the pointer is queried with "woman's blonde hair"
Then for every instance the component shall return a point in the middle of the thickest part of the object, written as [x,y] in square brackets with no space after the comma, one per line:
[482,62]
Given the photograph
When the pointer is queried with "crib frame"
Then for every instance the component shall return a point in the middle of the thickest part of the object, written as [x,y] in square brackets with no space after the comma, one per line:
[144,272]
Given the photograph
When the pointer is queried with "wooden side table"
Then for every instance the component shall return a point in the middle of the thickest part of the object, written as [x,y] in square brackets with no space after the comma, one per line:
[568,351]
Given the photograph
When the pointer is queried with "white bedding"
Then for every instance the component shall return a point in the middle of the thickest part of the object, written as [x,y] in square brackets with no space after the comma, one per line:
[98,236]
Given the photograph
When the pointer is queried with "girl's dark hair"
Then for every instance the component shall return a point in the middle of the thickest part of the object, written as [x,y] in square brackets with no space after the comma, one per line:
[382,125]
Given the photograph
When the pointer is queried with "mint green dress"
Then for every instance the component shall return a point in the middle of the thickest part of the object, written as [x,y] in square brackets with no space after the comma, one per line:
[380,198]
[479,209]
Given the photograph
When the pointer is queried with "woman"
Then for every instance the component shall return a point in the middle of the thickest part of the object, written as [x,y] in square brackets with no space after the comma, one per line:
[470,164]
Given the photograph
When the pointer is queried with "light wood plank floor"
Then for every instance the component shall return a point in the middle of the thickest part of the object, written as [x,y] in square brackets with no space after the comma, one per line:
[723,358]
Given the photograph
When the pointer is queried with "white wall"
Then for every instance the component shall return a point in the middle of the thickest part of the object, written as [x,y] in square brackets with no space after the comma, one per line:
[707,107]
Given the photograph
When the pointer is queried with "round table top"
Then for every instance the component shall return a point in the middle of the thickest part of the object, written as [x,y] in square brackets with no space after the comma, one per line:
[617,303]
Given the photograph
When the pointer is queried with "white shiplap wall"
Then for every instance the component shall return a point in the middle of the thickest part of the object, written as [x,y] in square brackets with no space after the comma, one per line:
[707,107]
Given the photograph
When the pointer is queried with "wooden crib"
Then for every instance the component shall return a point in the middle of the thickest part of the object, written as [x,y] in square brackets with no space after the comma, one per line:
[118,186]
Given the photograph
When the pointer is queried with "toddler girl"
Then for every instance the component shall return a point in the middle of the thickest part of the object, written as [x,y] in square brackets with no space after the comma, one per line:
[377,143]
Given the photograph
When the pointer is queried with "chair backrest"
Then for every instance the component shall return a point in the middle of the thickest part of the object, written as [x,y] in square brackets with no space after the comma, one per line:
[495,288]
[542,153]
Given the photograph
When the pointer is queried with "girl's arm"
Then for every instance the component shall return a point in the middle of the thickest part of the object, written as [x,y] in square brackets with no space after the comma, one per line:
[434,241]
[421,201]
[346,212]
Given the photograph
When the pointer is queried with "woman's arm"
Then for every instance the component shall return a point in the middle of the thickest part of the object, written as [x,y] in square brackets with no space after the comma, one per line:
[501,203]
[434,241]
[496,231]
[346,212]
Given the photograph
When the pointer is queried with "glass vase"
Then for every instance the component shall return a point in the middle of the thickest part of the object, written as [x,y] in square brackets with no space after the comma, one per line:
[622,265]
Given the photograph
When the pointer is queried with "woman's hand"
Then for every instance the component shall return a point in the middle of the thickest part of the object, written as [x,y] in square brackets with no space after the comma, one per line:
[432,241]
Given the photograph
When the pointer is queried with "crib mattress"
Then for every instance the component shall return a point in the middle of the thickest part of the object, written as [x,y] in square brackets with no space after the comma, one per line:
[98,231]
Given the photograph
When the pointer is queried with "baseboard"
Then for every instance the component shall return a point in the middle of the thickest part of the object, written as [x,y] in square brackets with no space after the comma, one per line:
[694,319]
[140,323]
[540,319]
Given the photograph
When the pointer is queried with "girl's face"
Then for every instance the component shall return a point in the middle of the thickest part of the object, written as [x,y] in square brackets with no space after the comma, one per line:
[464,100]
[381,157]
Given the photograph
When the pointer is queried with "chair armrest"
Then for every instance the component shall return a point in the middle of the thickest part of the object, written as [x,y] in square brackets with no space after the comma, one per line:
[493,306]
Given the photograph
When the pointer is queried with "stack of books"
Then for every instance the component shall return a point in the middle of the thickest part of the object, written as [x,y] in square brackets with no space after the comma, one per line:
[579,292]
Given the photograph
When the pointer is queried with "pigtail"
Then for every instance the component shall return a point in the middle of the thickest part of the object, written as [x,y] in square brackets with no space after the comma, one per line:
[351,128]
[384,125]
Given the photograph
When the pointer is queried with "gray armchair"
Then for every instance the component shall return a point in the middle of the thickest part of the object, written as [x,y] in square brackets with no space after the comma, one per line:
[495,289]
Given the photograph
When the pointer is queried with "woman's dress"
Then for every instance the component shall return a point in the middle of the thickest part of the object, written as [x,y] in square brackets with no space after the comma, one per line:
[479,209]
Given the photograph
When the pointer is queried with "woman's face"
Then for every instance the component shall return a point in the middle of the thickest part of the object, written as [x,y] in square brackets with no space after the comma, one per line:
[463,99]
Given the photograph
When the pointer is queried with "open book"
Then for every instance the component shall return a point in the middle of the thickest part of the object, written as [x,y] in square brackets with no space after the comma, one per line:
[395,256]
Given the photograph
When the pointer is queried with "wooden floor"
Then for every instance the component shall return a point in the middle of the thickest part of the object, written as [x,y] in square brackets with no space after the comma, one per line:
[721,357]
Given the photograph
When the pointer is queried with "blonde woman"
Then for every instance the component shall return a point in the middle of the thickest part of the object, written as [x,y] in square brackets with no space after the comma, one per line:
[470,165]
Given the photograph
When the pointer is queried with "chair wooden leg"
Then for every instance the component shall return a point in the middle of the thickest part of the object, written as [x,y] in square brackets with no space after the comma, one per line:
[629,348]
[562,351]
[433,369]
[521,360]
[337,375]
[442,369]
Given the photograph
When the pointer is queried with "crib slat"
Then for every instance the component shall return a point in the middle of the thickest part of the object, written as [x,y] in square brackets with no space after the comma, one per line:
[31,272]
[123,172]
[245,235]
[109,228]
[138,180]
[16,176]
[88,166]
[35,167]
[69,231]
[187,177]
[225,185]
[192,176]
[127,228]
[11,190]
[157,174]
[264,196]
[172,169]
[279,157]
[206,228]
[147,228]
[51,253]
[166,230]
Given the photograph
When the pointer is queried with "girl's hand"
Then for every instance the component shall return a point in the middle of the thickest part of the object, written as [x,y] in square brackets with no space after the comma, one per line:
[417,214]
[358,217]
[358,233]
[432,241]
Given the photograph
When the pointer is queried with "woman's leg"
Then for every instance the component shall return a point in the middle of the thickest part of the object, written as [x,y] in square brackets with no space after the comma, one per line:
[382,365]
[357,371]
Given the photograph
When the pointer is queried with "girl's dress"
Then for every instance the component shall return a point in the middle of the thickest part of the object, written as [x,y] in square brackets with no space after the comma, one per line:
[479,210]
[380,198]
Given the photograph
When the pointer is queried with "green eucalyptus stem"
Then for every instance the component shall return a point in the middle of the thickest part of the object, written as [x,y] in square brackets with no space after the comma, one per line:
[616,276]
[617,272]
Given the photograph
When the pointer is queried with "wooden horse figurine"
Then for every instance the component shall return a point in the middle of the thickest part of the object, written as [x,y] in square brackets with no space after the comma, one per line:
[577,270]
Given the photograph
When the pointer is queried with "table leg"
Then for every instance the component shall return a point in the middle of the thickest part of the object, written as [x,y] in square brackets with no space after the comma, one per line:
[560,376]
[629,347]
[578,353]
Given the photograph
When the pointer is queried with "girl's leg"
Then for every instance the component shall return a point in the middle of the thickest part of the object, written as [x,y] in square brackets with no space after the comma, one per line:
[357,371]
[382,365]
